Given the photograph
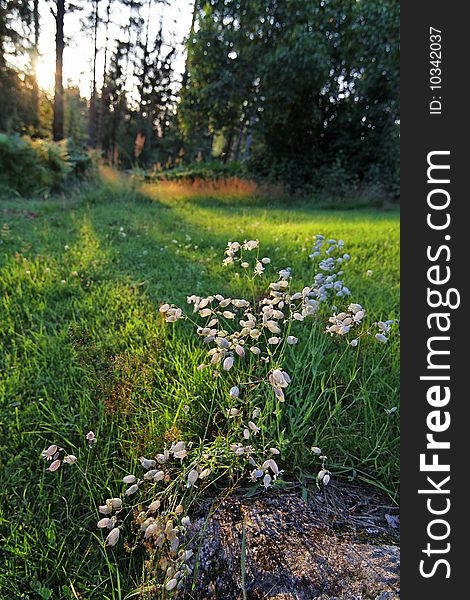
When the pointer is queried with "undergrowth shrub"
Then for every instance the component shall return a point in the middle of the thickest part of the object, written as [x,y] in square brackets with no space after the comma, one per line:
[30,166]
[198,171]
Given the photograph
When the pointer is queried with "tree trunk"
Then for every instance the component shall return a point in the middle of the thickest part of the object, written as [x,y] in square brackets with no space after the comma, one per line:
[58,123]
[238,145]
[34,63]
[99,135]
[228,146]
[92,114]
[144,106]
[246,153]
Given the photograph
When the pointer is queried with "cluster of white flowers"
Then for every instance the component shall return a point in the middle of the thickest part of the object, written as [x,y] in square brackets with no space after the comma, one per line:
[248,428]
[323,476]
[264,469]
[53,455]
[166,531]
[234,253]
[342,323]
[327,285]
[330,257]
[234,327]
[196,473]
[279,380]
[162,531]
[172,313]
[384,328]
[153,475]
[110,522]
[91,438]
[268,471]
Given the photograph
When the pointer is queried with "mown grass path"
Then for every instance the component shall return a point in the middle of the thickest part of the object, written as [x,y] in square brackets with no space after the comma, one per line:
[83,348]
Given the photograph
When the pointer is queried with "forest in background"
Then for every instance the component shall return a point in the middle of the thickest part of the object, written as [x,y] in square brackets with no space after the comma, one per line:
[297,91]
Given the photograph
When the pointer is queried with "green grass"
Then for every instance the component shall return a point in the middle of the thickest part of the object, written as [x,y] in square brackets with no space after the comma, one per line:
[83,347]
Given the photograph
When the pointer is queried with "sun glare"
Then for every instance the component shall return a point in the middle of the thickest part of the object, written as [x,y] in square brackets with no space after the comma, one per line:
[45,74]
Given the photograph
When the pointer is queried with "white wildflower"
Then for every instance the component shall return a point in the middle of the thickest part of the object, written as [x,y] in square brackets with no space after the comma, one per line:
[146,462]
[103,523]
[160,475]
[150,474]
[153,506]
[270,464]
[251,244]
[171,585]
[129,479]
[186,521]
[240,350]
[178,447]
[131,490]
[151,530]
[49,452]
[267,479]
[273,327]
[324,477]
[113,537]
[192,478]
[162,458]
[259,268]
[228,363]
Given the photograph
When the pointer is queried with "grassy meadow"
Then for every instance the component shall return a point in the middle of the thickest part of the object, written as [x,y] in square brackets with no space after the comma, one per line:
[84,347]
